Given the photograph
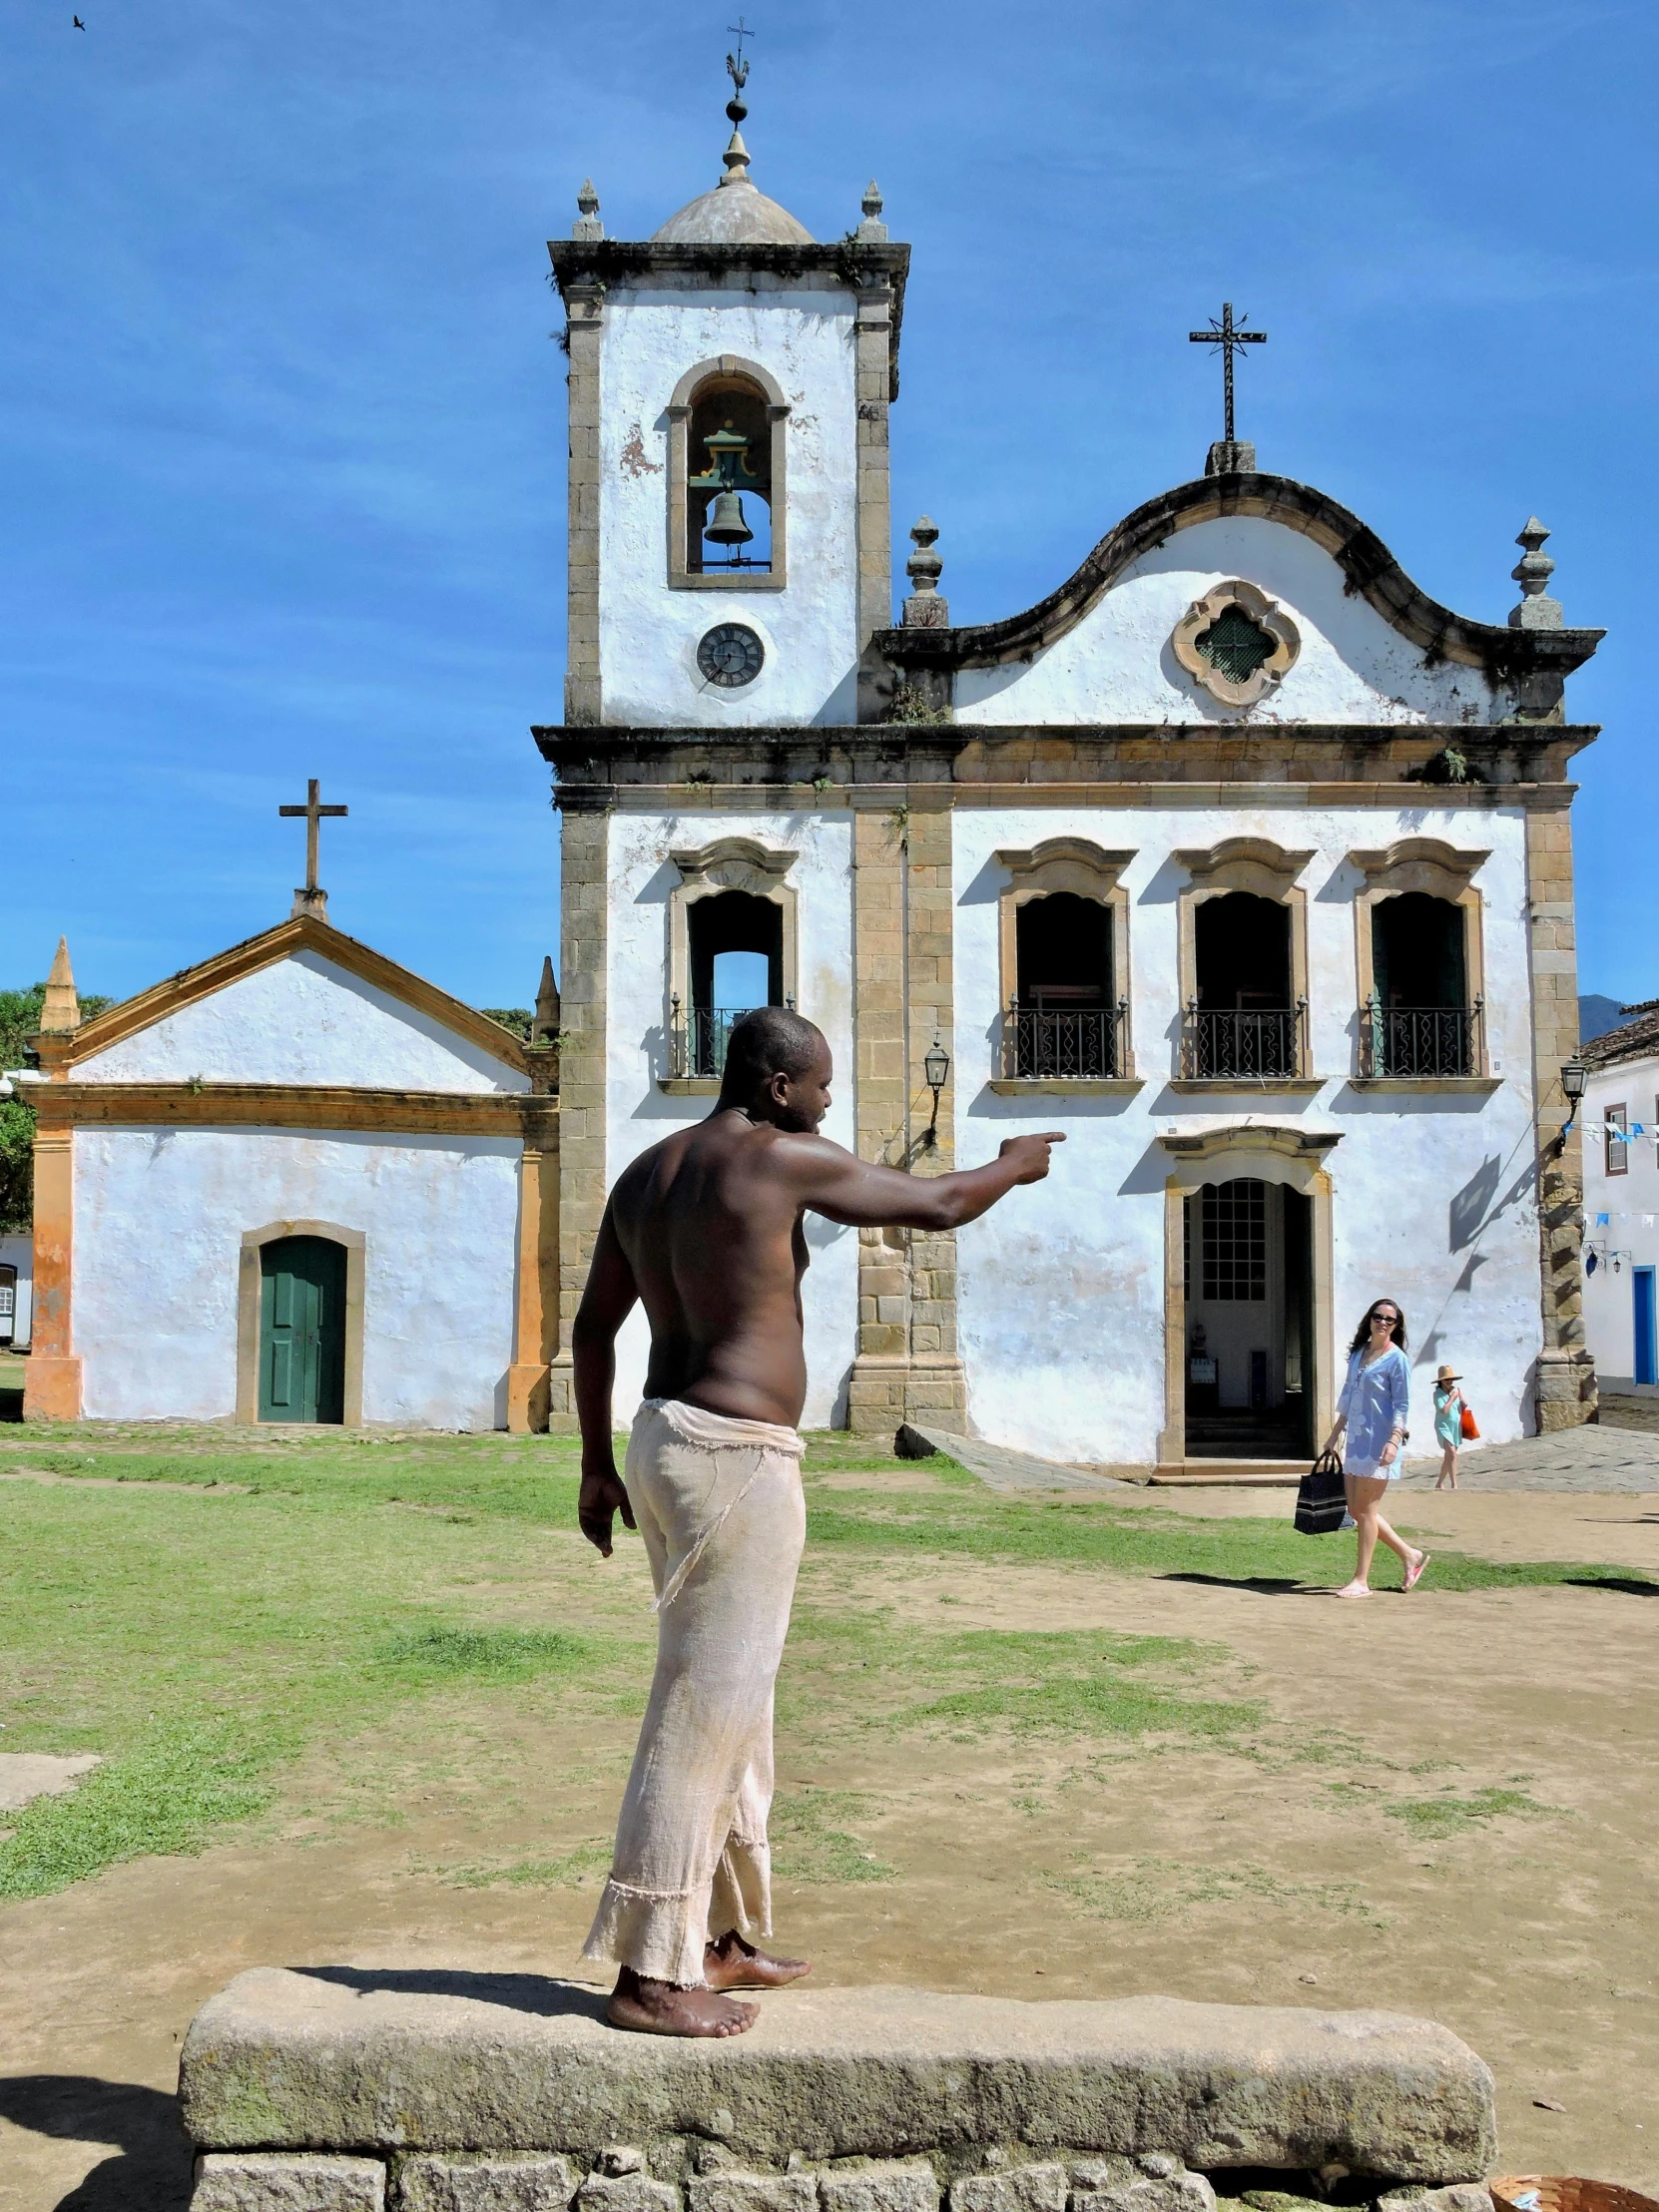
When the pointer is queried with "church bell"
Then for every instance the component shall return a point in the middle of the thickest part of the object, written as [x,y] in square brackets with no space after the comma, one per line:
[726,525]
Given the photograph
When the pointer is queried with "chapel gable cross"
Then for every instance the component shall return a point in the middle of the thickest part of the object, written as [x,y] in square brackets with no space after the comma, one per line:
[312,898]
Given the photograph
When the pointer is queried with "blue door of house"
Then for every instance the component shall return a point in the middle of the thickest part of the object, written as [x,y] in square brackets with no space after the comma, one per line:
[1646,1315]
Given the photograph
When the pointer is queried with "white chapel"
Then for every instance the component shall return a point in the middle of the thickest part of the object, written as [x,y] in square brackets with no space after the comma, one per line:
[1236,856]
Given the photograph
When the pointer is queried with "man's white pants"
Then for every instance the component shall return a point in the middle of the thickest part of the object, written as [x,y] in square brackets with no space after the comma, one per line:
[719,1506]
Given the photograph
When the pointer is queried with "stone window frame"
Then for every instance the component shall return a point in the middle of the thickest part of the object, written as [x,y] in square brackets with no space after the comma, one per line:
[730,863]
[1268,869]
[1090,870]
[249,1284]
[1442,871]
[1271,1154]
[1265,613]
[678,413]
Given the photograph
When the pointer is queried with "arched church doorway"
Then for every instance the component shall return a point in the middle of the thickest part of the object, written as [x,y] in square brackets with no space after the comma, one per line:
[302,1329]
[1248,1275]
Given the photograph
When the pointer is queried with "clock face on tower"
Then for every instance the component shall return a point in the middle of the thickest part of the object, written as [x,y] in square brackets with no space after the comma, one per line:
[730,653]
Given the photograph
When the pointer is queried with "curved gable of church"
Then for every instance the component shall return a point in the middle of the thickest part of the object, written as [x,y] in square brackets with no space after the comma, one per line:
[303,1005]
[1354,639]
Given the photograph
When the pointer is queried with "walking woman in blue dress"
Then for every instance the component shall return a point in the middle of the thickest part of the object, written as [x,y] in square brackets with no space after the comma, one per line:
[1373,1409]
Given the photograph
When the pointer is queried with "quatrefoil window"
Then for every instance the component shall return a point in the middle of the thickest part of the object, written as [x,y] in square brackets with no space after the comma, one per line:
[1237,643]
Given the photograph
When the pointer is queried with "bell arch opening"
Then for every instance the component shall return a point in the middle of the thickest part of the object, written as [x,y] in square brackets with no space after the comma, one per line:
[729,480]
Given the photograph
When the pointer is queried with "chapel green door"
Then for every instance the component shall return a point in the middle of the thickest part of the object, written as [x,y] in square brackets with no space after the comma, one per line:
[302,1329]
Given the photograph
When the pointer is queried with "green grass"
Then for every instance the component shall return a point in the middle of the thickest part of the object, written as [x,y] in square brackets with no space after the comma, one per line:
[574,1869]
[1433,1819]
[1143,1541]
[436,1653]
[809,1842]
[1147,1889]
[872,1672]
[200,1645]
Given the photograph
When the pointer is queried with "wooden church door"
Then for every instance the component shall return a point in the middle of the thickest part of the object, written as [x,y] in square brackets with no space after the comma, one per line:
[302,1329]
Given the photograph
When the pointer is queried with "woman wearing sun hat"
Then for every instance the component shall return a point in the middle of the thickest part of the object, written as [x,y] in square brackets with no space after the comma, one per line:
[1448,1426]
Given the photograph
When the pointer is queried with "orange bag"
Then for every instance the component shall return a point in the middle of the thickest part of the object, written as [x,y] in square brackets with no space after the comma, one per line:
[1466,1424]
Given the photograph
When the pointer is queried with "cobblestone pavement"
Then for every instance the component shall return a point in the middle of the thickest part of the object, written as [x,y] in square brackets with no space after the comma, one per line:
[1600,1457]
[1603,1458]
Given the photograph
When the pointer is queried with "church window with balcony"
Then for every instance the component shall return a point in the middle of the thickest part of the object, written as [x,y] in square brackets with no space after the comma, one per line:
[1421,1019]
[1243,1020]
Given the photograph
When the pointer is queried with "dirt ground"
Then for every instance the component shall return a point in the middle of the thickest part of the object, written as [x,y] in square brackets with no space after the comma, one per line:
[1287,1866]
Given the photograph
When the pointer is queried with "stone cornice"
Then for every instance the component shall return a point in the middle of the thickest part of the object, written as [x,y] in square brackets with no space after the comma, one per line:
[777,765]
[300,933]
[1533,660]
[316,1106]
[584,262]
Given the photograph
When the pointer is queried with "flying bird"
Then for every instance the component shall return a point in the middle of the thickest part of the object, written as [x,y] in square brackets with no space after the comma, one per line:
[78,25]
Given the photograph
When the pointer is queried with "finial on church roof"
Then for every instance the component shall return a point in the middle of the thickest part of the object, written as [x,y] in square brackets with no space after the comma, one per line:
[737,154]
[873,231]
[547,1006]
[1536,611]
[62,1010]
[588,224]
[925,608]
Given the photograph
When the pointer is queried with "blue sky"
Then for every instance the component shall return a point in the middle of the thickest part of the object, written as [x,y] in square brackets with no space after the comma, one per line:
[282,428]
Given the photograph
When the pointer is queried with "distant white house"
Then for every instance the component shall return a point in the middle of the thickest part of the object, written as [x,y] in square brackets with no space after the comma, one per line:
[17,1272]
[1620,1121]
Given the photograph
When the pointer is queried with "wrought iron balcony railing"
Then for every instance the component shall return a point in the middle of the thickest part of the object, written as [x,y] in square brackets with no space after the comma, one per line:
[1420,1040]
[1073,1046]
[697,1040]
[1245,1046]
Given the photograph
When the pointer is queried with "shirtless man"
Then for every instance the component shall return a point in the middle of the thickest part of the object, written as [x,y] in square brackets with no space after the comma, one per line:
[707,1229]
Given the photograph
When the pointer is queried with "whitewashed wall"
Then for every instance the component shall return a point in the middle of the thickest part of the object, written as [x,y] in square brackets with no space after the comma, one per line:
[158,1219]
[1631,1204]
[1116,664]
[648,634]
[1061,1286]
[303,1021]
[639,1114]
[19,1253]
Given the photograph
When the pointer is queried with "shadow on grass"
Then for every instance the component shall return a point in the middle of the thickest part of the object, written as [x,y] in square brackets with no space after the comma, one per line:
[1265,1585]
[1269,1585]
[518,1992]
[152,2164]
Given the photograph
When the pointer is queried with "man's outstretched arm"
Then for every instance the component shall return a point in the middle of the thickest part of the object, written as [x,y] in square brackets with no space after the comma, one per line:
[863,1196]
[609,1299]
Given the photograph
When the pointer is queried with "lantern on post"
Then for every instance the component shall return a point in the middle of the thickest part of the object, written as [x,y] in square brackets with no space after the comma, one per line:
[935,1066]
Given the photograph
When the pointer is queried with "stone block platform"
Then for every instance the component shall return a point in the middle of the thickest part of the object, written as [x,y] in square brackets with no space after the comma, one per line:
[350,2090]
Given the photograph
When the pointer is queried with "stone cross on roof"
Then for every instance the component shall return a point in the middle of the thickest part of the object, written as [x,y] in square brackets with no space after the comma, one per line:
[312,899]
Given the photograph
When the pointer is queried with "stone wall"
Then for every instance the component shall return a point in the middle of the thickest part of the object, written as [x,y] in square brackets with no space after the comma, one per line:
[344,2090]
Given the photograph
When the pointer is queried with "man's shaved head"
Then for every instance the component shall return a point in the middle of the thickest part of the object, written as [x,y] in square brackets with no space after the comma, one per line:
[767,1042]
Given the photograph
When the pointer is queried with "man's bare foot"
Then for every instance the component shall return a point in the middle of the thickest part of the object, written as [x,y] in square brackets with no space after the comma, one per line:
[731,1964]
[649,2007]
[1353,1589]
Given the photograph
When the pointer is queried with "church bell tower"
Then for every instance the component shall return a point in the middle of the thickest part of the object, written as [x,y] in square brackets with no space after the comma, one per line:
[729,534]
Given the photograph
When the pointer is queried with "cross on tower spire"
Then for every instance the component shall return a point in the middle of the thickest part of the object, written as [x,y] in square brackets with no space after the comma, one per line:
[1225,336]
[313,900]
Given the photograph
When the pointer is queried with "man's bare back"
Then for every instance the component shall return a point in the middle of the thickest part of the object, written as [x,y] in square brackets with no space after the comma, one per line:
[707,1231]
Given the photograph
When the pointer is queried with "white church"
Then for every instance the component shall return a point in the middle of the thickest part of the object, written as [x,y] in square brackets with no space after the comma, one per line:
[1237,857]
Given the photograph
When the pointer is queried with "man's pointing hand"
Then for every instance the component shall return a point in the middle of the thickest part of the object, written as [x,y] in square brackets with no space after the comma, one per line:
[1029,1155]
